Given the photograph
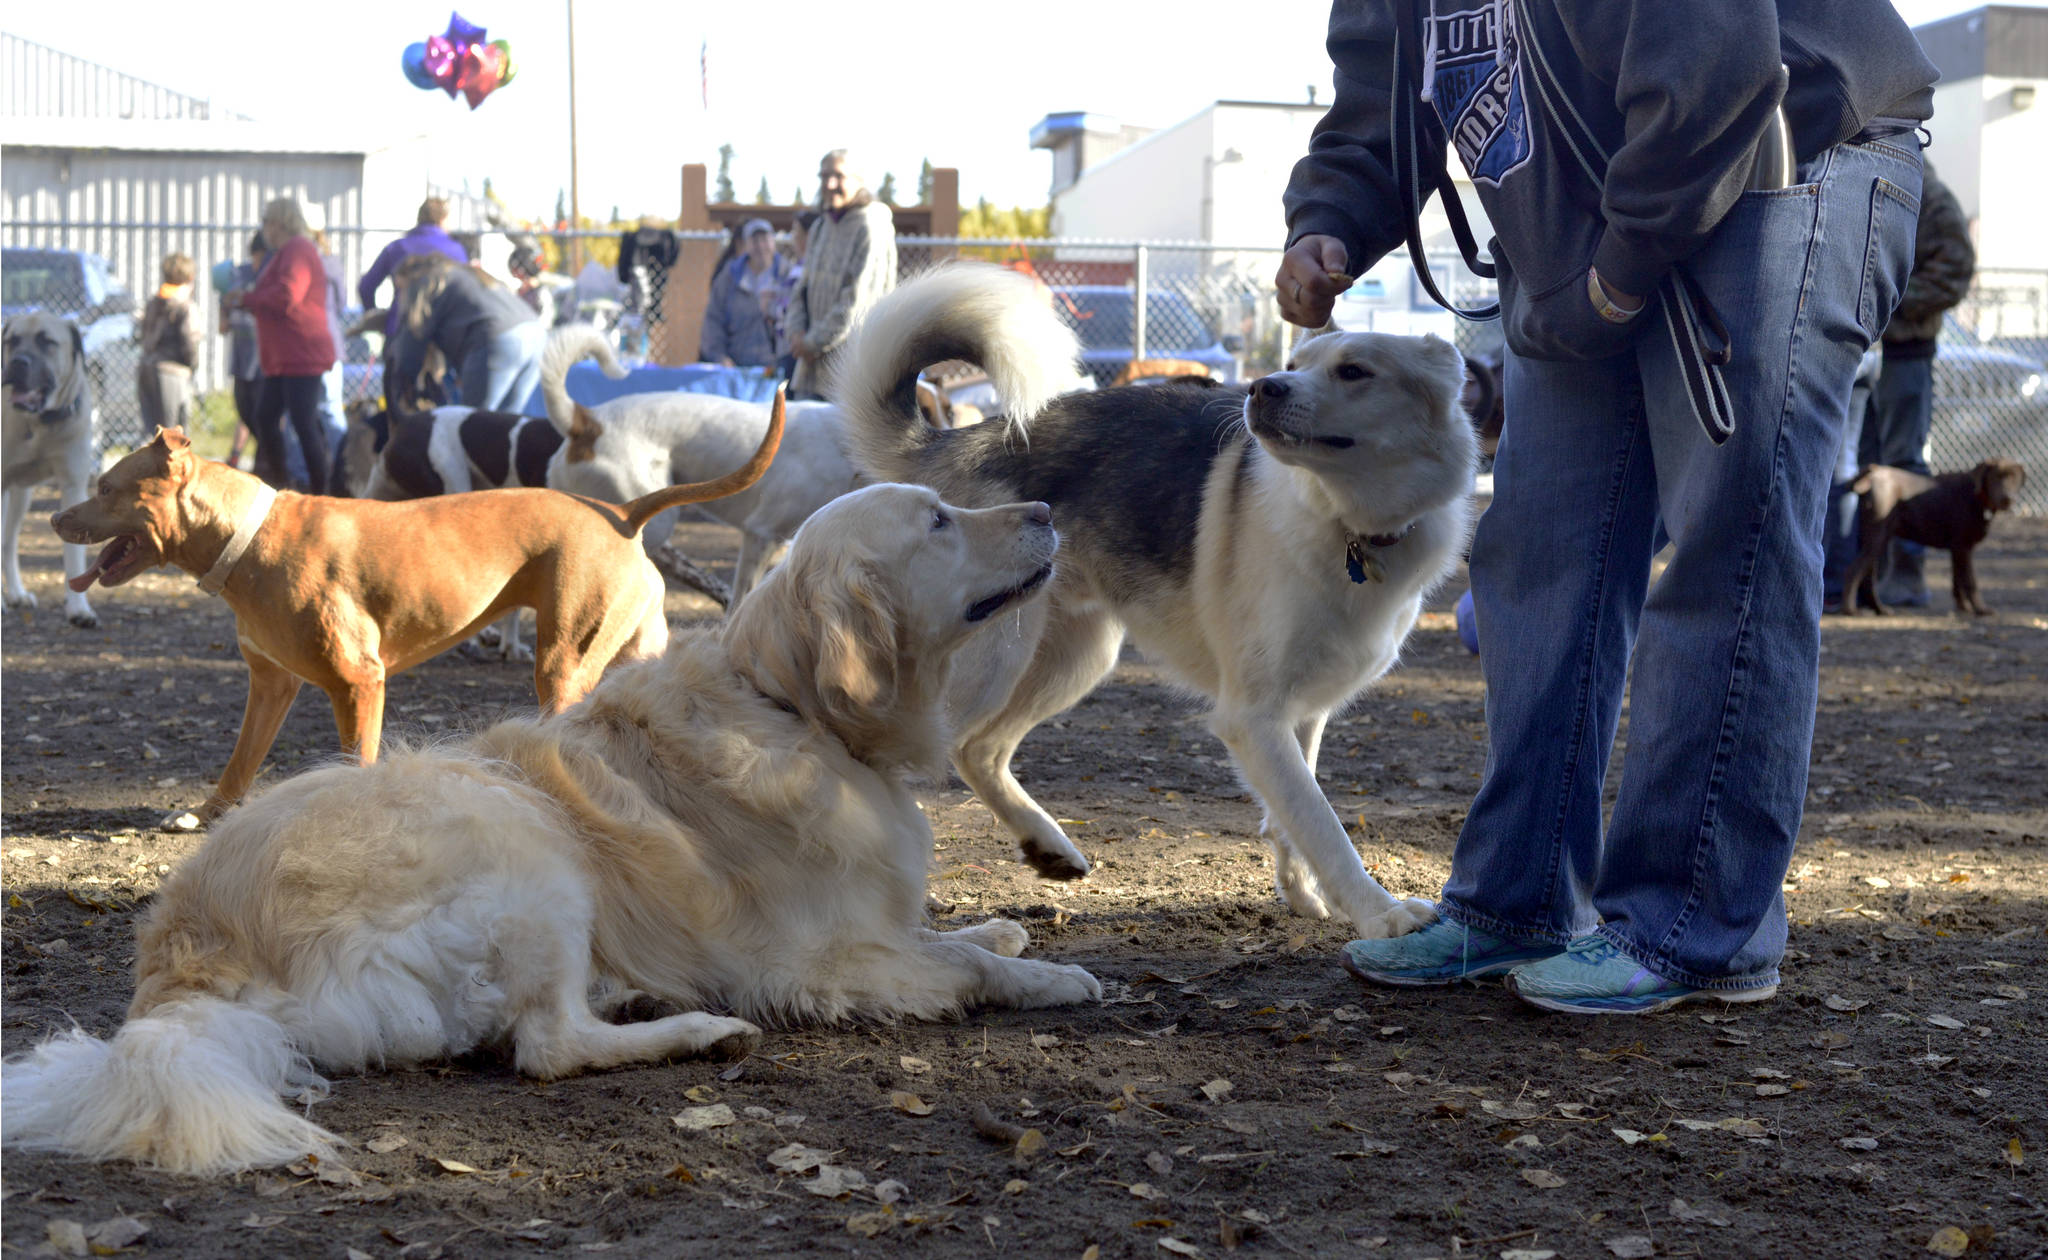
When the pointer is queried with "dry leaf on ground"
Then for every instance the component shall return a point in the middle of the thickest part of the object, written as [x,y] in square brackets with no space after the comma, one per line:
[909,1104]
[914,1065]
[834,1180]
[797,1158]
[1632,1246]
[1542,1178]
[697,1119]
[1948,1241]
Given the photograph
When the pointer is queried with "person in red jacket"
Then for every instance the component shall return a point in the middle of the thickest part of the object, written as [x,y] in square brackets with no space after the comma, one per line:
[289,303]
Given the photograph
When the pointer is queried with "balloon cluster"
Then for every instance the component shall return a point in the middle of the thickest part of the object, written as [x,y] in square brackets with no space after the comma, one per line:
[458,60]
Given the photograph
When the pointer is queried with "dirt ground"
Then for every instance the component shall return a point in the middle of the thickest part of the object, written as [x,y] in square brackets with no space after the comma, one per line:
[1238,1091]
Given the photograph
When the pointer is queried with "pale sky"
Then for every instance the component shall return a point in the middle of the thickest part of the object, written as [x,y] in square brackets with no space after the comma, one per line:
[961,84]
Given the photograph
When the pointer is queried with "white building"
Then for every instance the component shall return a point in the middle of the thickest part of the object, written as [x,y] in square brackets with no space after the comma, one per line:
[106,163]
[1990,127]
[1217,178]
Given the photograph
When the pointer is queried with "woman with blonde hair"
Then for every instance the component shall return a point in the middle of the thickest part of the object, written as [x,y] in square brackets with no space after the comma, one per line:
[289,303]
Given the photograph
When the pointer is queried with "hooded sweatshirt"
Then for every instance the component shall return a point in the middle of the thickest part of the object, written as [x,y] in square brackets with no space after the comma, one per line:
[1678,95]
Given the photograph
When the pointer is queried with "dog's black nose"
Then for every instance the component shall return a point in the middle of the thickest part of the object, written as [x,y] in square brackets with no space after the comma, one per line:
[1269,388]
[1038,514]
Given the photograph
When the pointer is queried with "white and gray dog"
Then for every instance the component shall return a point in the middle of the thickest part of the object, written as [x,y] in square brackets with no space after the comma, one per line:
[1269,547]
[48,436]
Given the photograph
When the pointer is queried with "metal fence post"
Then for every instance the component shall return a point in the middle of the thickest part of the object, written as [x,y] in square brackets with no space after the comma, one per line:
[1138,304]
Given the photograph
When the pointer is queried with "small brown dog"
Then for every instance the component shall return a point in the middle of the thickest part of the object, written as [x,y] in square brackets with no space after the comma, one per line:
[1952,511]
[344,593]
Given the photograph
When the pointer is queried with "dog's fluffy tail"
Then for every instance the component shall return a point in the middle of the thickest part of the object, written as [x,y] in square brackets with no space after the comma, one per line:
[567,346]
[986,315]
[191,1087]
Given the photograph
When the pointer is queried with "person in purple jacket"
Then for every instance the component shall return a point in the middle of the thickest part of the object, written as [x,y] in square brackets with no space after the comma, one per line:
[427,238]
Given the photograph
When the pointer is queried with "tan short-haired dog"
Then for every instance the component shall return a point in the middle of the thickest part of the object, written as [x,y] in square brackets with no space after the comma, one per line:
[344,593]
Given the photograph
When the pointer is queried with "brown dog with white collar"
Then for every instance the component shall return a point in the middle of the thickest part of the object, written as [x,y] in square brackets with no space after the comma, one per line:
[344,593]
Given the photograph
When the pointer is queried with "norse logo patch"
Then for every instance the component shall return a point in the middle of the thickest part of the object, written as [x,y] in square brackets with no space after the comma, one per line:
[1479,101]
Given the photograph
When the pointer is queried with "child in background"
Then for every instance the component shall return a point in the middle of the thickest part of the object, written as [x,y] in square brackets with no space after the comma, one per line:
[170,349]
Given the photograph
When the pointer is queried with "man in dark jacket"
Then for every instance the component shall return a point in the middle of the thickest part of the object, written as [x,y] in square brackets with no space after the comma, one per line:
[1679,357]
[1902,407]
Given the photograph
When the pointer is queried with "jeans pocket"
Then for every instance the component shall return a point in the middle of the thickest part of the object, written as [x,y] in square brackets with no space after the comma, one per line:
[1887,254]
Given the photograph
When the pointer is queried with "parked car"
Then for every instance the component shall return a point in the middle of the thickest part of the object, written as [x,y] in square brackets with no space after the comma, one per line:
[1101,315]
[83,288]
[1990,402]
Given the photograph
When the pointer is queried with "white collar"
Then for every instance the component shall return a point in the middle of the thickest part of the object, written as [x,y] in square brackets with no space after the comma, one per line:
[245,533]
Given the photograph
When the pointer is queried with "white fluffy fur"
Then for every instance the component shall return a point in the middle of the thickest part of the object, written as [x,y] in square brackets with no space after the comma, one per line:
[1268,626]
[34,451]
[653,440]
[728,826]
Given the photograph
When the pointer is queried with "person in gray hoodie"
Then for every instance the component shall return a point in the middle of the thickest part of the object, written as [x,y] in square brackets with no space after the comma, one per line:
[489,336]
[1702,216]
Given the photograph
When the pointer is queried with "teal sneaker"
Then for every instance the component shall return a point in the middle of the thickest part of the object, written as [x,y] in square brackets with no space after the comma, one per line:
[1439,954]
[1591,977]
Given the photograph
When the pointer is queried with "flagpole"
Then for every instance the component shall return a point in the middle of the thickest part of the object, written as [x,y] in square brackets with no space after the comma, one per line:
[575,203]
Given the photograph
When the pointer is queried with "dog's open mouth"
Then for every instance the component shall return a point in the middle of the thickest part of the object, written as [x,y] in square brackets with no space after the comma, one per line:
[983,609]
[120,559]
[25,399]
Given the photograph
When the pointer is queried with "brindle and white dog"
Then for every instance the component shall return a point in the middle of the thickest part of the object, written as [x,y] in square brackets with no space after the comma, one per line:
[1269,547]
[48,437]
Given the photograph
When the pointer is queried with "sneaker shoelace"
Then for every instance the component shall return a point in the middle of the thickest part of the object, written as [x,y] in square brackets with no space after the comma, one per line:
[1592,950]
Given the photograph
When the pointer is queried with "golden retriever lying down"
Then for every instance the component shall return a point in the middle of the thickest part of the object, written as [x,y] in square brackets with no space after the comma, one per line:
[727,826]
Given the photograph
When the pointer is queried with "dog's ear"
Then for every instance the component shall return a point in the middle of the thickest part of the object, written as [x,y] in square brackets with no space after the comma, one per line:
[820,635]
[584,430]
[172,439]
[72,390]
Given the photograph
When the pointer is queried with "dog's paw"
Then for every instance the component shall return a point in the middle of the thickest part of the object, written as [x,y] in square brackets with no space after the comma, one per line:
[83,618]
[520,654]
[1065,985]
[1399,919]
[23,599]
[1001,936]
[1050,863]
[738,1041]
[182,820]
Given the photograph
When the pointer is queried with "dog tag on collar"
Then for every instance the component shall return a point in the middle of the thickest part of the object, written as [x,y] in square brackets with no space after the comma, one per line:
[1360,563]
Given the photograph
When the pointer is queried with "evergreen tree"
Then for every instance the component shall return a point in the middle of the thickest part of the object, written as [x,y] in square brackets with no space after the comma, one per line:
[797,198]
[886,194]
[762,196]
[924,183]
[725,189]
[561,205]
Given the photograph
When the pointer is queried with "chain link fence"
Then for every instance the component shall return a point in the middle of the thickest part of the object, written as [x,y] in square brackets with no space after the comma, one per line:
[1206,308]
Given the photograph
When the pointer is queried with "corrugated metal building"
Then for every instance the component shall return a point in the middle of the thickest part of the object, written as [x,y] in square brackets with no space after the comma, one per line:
[103,162]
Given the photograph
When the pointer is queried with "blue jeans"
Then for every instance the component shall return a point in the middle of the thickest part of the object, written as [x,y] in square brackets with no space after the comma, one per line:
[1901,412]
[1726,646]
[503,374]
[1895,432]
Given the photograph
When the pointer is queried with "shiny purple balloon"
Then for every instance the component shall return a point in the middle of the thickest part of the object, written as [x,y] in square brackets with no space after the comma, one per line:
[462,33]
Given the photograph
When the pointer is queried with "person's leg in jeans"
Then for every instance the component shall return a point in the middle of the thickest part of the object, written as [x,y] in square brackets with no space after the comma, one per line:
[1905,410]
[1559,565]
[1843,539]
[267,427]
[245,392]
[513,366]
[1726,670]
[301,396]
